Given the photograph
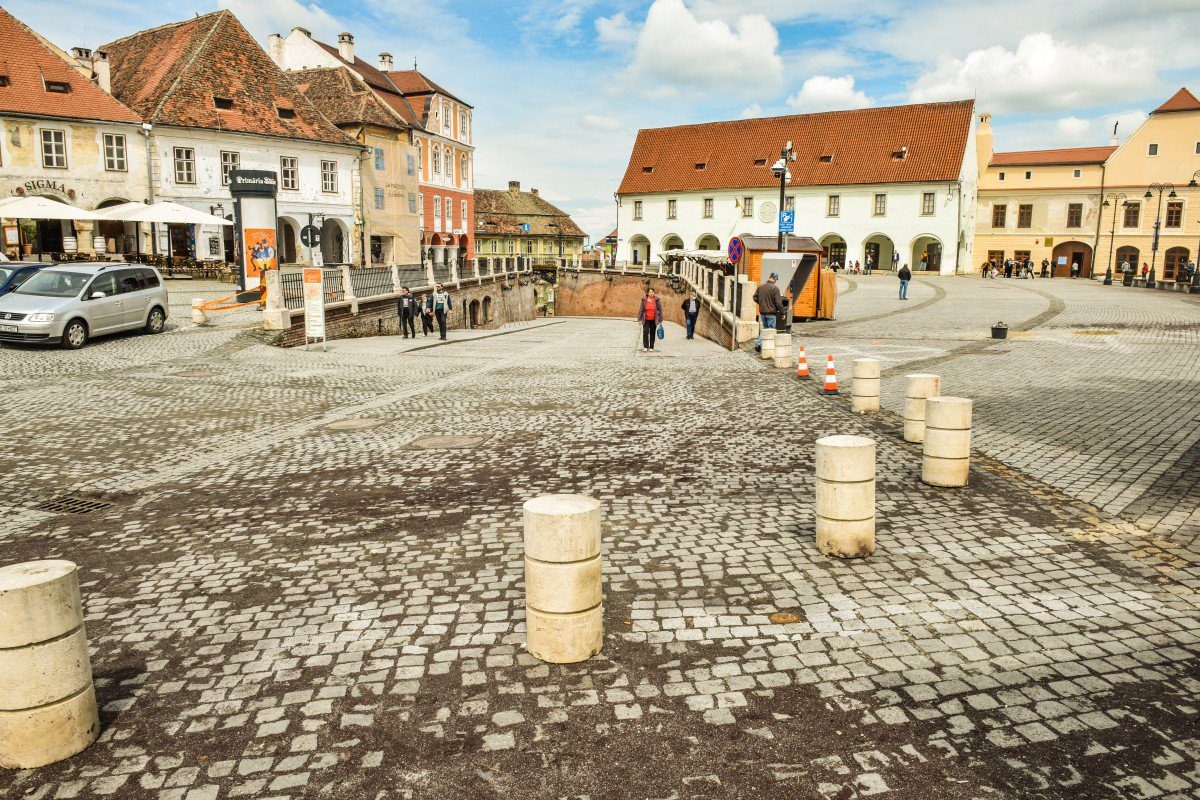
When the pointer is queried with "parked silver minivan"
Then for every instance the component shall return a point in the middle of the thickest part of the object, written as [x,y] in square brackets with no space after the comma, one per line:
[71,303]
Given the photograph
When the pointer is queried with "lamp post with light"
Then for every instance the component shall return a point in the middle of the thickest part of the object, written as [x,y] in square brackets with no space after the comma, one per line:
[779,170]
[1160,188]
[1111,200]
[1195,287]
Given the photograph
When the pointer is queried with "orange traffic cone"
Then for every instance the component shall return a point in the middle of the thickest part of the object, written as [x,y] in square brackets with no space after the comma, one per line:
[802,366]
[830,386]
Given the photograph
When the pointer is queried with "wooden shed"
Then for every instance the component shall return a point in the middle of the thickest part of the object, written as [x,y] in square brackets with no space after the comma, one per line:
[815,299]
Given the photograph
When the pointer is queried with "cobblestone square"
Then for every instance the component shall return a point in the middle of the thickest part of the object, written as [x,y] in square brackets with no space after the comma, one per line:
[303,572]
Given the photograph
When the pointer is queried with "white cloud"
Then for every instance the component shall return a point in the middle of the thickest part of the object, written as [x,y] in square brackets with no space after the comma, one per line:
[752,110]
[262,17]
[825,93]
[616,31]
[781,10]
[676,49]
[1042,74]
[601,122]
[1073,129]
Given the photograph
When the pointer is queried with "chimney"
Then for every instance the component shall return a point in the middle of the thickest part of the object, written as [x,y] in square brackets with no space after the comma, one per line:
[984,142]
[533,192]
[385,62]
[304,31]
[514,186]
[346,47]
[102,69]
[275,49]
[83,57]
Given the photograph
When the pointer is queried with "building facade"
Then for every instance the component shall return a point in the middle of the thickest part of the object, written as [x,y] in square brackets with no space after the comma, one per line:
[64,137]
[441,133]
[510,222]
[896,185]
[1096,207]
[217,103]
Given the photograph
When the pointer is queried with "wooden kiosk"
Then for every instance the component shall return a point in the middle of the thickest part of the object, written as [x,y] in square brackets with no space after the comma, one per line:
[817,297]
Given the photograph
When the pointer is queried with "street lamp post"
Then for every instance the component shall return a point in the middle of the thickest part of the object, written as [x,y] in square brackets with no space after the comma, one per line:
[1111,200]
[1160,188]
[1195,287]
[780,170]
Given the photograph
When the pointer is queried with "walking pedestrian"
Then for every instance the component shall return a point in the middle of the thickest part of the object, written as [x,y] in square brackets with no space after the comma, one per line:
[441,308]
[1075,269]
[409,308]
[1145,270]
[905,275]
[1008,267]
[1191,271]
[649,317]
[867,266]
[770,305]
[691,310]
[426,304]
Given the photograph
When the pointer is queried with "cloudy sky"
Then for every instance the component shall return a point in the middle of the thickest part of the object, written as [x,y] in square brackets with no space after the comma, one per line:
[560,87]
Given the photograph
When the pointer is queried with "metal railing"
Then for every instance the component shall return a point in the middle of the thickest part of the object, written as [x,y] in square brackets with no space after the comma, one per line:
[370,281]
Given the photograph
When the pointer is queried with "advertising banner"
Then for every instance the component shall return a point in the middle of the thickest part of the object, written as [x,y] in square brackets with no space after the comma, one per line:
[261,253]
[314,305]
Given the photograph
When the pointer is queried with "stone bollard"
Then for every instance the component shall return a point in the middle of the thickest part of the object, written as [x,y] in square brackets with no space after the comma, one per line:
[918,387]
[198,315]
[47,701]
[564,618]
[864,386]
[783,351]
[768,343]
[846,496]
[947,449]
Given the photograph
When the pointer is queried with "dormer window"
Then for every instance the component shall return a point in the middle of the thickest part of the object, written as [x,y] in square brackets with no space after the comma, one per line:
[285,113]
[825,159]
[3,81]
[701,165]
[900,154]
[223,103]
[647,170]
[760,162]
[58,87]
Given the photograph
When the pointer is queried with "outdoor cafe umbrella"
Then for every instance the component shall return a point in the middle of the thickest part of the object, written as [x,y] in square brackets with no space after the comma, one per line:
[36,207]
[164,212]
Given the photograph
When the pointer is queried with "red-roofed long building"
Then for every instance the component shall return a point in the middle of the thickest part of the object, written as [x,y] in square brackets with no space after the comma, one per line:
[65,138]
[441,132]
[895,185]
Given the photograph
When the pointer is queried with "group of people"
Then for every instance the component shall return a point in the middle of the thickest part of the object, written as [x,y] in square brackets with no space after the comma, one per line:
[650,317]
[1186,272]
[854,267]
[1020,268]
[431,308]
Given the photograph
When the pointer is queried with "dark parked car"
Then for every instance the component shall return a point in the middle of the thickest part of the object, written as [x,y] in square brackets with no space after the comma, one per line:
[13,274]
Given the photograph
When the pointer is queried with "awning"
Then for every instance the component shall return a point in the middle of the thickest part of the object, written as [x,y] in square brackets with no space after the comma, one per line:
[42,208]
[165,212]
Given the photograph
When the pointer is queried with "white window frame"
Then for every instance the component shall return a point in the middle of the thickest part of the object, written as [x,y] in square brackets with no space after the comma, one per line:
[1152,150]
[230,160]
[380,199]
[329,177]
[637,209]
[672,208]
[289,164]
[928,201]
[747,207]
[54,148]
[879,205]
[462,205]
[184,159]
[833,205]
[116,156]
[708,207]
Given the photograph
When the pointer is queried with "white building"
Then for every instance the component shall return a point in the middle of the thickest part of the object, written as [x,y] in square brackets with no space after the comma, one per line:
[218,103]
[895,183]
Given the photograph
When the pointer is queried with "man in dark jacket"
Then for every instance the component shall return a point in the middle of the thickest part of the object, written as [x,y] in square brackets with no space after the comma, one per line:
[426,305]
[409,308]
[770,305]
[691,310]
[905,275]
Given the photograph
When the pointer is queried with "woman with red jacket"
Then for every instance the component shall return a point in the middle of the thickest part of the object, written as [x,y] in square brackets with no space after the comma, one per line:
[650,315]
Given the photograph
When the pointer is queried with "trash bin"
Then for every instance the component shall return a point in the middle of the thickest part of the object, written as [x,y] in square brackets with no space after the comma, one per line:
[999,331]
[1127,280]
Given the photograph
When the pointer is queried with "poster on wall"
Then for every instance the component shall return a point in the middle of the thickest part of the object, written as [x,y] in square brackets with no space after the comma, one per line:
[261,254]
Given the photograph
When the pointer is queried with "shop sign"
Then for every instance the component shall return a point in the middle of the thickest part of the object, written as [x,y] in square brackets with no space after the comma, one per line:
[43,185]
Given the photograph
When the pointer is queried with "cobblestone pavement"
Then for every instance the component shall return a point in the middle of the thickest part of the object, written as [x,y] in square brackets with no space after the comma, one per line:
[1096,391]
[292,590]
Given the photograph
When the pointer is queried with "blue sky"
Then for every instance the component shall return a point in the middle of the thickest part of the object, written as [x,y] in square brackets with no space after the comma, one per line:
[560,87]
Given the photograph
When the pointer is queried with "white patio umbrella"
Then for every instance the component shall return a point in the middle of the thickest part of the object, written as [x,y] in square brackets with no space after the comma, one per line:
[164,212]
[42,208]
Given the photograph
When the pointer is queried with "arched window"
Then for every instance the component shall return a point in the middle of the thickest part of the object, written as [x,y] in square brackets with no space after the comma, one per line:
[462,169]
[437,160]
[449,165]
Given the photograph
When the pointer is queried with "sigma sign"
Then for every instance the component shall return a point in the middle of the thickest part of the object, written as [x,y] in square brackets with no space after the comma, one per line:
[40,185]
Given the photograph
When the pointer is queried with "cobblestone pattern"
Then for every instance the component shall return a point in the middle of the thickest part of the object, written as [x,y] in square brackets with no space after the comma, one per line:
[278,609]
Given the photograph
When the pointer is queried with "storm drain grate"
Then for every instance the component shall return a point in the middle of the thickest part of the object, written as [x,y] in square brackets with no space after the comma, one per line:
[69,504]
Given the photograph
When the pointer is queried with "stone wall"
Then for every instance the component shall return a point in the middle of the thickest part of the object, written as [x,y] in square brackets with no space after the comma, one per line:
[507,300]
[611,294]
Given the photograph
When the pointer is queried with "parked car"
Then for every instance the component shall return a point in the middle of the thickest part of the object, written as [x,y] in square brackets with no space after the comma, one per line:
[71,303]
[13,275]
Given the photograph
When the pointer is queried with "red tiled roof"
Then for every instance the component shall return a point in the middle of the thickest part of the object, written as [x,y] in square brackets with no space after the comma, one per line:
[1183,100]
[861,145]
[502,212]
[170,75]
[28,62]
[399,103]
[1064,155]
[346,99]
[411,81]
[370,74]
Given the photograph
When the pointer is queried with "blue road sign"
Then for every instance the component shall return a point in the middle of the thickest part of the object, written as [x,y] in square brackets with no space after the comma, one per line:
[525,226]
[787,221]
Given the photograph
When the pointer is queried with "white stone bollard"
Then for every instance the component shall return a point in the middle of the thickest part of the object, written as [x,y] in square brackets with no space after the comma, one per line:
[946,457]
[846,496]
[564,615]
[864,386]
[783,351]
[918,387]
[768,343]
[198,315]
[47,700]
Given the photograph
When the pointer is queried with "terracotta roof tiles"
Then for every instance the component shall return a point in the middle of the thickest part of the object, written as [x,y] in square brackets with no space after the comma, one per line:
[1064,155]
[500,212]
[29,62]
[412,81]
[1183,100]
[370,74]
[346,99]
[832,148]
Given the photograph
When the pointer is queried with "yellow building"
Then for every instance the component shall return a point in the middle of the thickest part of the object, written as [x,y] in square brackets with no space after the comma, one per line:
[515,223]
[1096,207]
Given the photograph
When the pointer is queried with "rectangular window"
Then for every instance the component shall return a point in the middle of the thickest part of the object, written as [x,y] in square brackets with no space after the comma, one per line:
[1198,148]
[1024,215]
[1078,173]
[1001,176]
[1152,150]
[747,206]
[880,205]
[448,209]
[789,203]
[637,209]
[412,203]
[927,203]
[379,166]
[833,205]
[999,216]
[185,165]
[1028,174]
[229,162]
[329,176]
[379,199]
[462,207]
[54,149]
[437,210]
[412,165]
[1074,215]
[1133,213]
[708,208]
[1175,214]
[289,177]
[114,152]
[671,209]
